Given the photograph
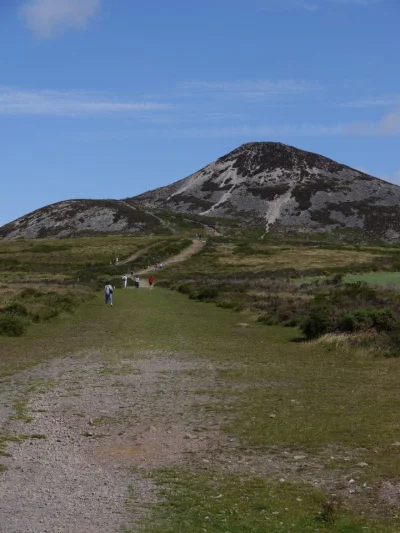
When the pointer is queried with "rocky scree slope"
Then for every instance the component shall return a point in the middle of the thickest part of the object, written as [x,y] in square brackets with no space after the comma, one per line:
[84,218]
[284,188]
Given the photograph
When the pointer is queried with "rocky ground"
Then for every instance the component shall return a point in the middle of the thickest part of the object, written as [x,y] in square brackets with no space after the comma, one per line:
[83,426]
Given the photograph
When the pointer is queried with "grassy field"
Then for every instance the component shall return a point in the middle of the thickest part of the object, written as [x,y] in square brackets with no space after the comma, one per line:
[376,278]
[43,278]
[311,430]
[373,278]
[224,255]
[59,259]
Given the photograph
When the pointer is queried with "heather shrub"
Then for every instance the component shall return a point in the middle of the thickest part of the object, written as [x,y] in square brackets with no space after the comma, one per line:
[11,325]
[15,308]
[362,319]
[320,320]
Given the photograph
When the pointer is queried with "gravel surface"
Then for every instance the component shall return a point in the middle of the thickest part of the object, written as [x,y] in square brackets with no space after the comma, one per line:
[83,423]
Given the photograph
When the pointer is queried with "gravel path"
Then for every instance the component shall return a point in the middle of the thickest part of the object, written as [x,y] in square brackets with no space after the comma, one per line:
[193,249]
[83,422]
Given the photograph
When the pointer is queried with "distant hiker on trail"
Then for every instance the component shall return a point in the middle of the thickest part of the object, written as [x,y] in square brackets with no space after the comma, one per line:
[124,281]
[108,291]
[137,280]
[132,273]
[151,282]
[116,261]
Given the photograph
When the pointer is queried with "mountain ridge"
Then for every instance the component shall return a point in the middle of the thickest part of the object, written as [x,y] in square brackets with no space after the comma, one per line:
[271,185]
[283,188]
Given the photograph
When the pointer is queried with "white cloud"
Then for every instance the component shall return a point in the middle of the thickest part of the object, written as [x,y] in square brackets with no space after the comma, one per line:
[381,101]
[390,124]
[308,7]
[68,103]
[316,5]
[48,18]
[251,88]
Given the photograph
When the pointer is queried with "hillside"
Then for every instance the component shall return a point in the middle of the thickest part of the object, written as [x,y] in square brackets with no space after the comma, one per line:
[278,188]
[83,217]
[285,189]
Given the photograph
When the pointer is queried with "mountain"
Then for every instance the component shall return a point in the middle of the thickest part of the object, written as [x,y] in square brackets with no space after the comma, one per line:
[284,189]
[270,185]
[83,217]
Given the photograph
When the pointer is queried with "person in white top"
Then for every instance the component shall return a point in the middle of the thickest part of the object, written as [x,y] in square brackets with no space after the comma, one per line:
[137,282]
[124,281]
[108,291]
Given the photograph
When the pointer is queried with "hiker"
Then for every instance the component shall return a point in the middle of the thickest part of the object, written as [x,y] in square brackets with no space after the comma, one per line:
[132,273]
[151,281]
[116,261]
[124,281]
[137,282]
[108,291]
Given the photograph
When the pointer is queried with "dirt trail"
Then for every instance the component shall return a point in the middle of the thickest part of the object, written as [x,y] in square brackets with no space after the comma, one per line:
[136,255]
[193,249]
[85,424]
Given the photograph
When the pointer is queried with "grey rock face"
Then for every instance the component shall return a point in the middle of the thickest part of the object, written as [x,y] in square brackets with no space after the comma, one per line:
[284,188]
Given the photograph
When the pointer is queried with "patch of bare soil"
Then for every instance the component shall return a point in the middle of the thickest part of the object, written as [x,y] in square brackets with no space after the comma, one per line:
[83,424]
[90,429]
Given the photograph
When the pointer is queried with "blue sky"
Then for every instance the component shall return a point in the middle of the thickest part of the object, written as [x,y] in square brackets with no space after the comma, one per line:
[110,98]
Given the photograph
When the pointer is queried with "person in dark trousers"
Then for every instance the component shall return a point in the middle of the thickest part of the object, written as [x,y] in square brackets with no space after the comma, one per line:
[137,282]
[108,292]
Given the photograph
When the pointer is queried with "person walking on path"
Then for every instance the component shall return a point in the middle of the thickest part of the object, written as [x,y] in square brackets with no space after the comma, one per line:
[151,281]
[137,280]
[108,292]
[124,281]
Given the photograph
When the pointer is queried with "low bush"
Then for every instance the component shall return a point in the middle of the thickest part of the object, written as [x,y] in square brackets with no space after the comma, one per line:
[185,288]
[322,320]
[207,293]
[29,292]
[380,319]
[11,325]
[15,308]
[268,319]
[319,321]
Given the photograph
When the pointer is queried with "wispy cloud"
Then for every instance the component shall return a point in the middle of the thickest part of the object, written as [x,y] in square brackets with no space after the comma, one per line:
[382,101]
[316,5]
[307,6]
[68,103]
[49,18]
[251,88]
[389,125]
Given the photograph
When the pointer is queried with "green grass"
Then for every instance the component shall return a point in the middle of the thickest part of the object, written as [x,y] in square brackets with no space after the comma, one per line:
[343,406]
[376,278]
[273,397]
[200,501]
[373,278]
